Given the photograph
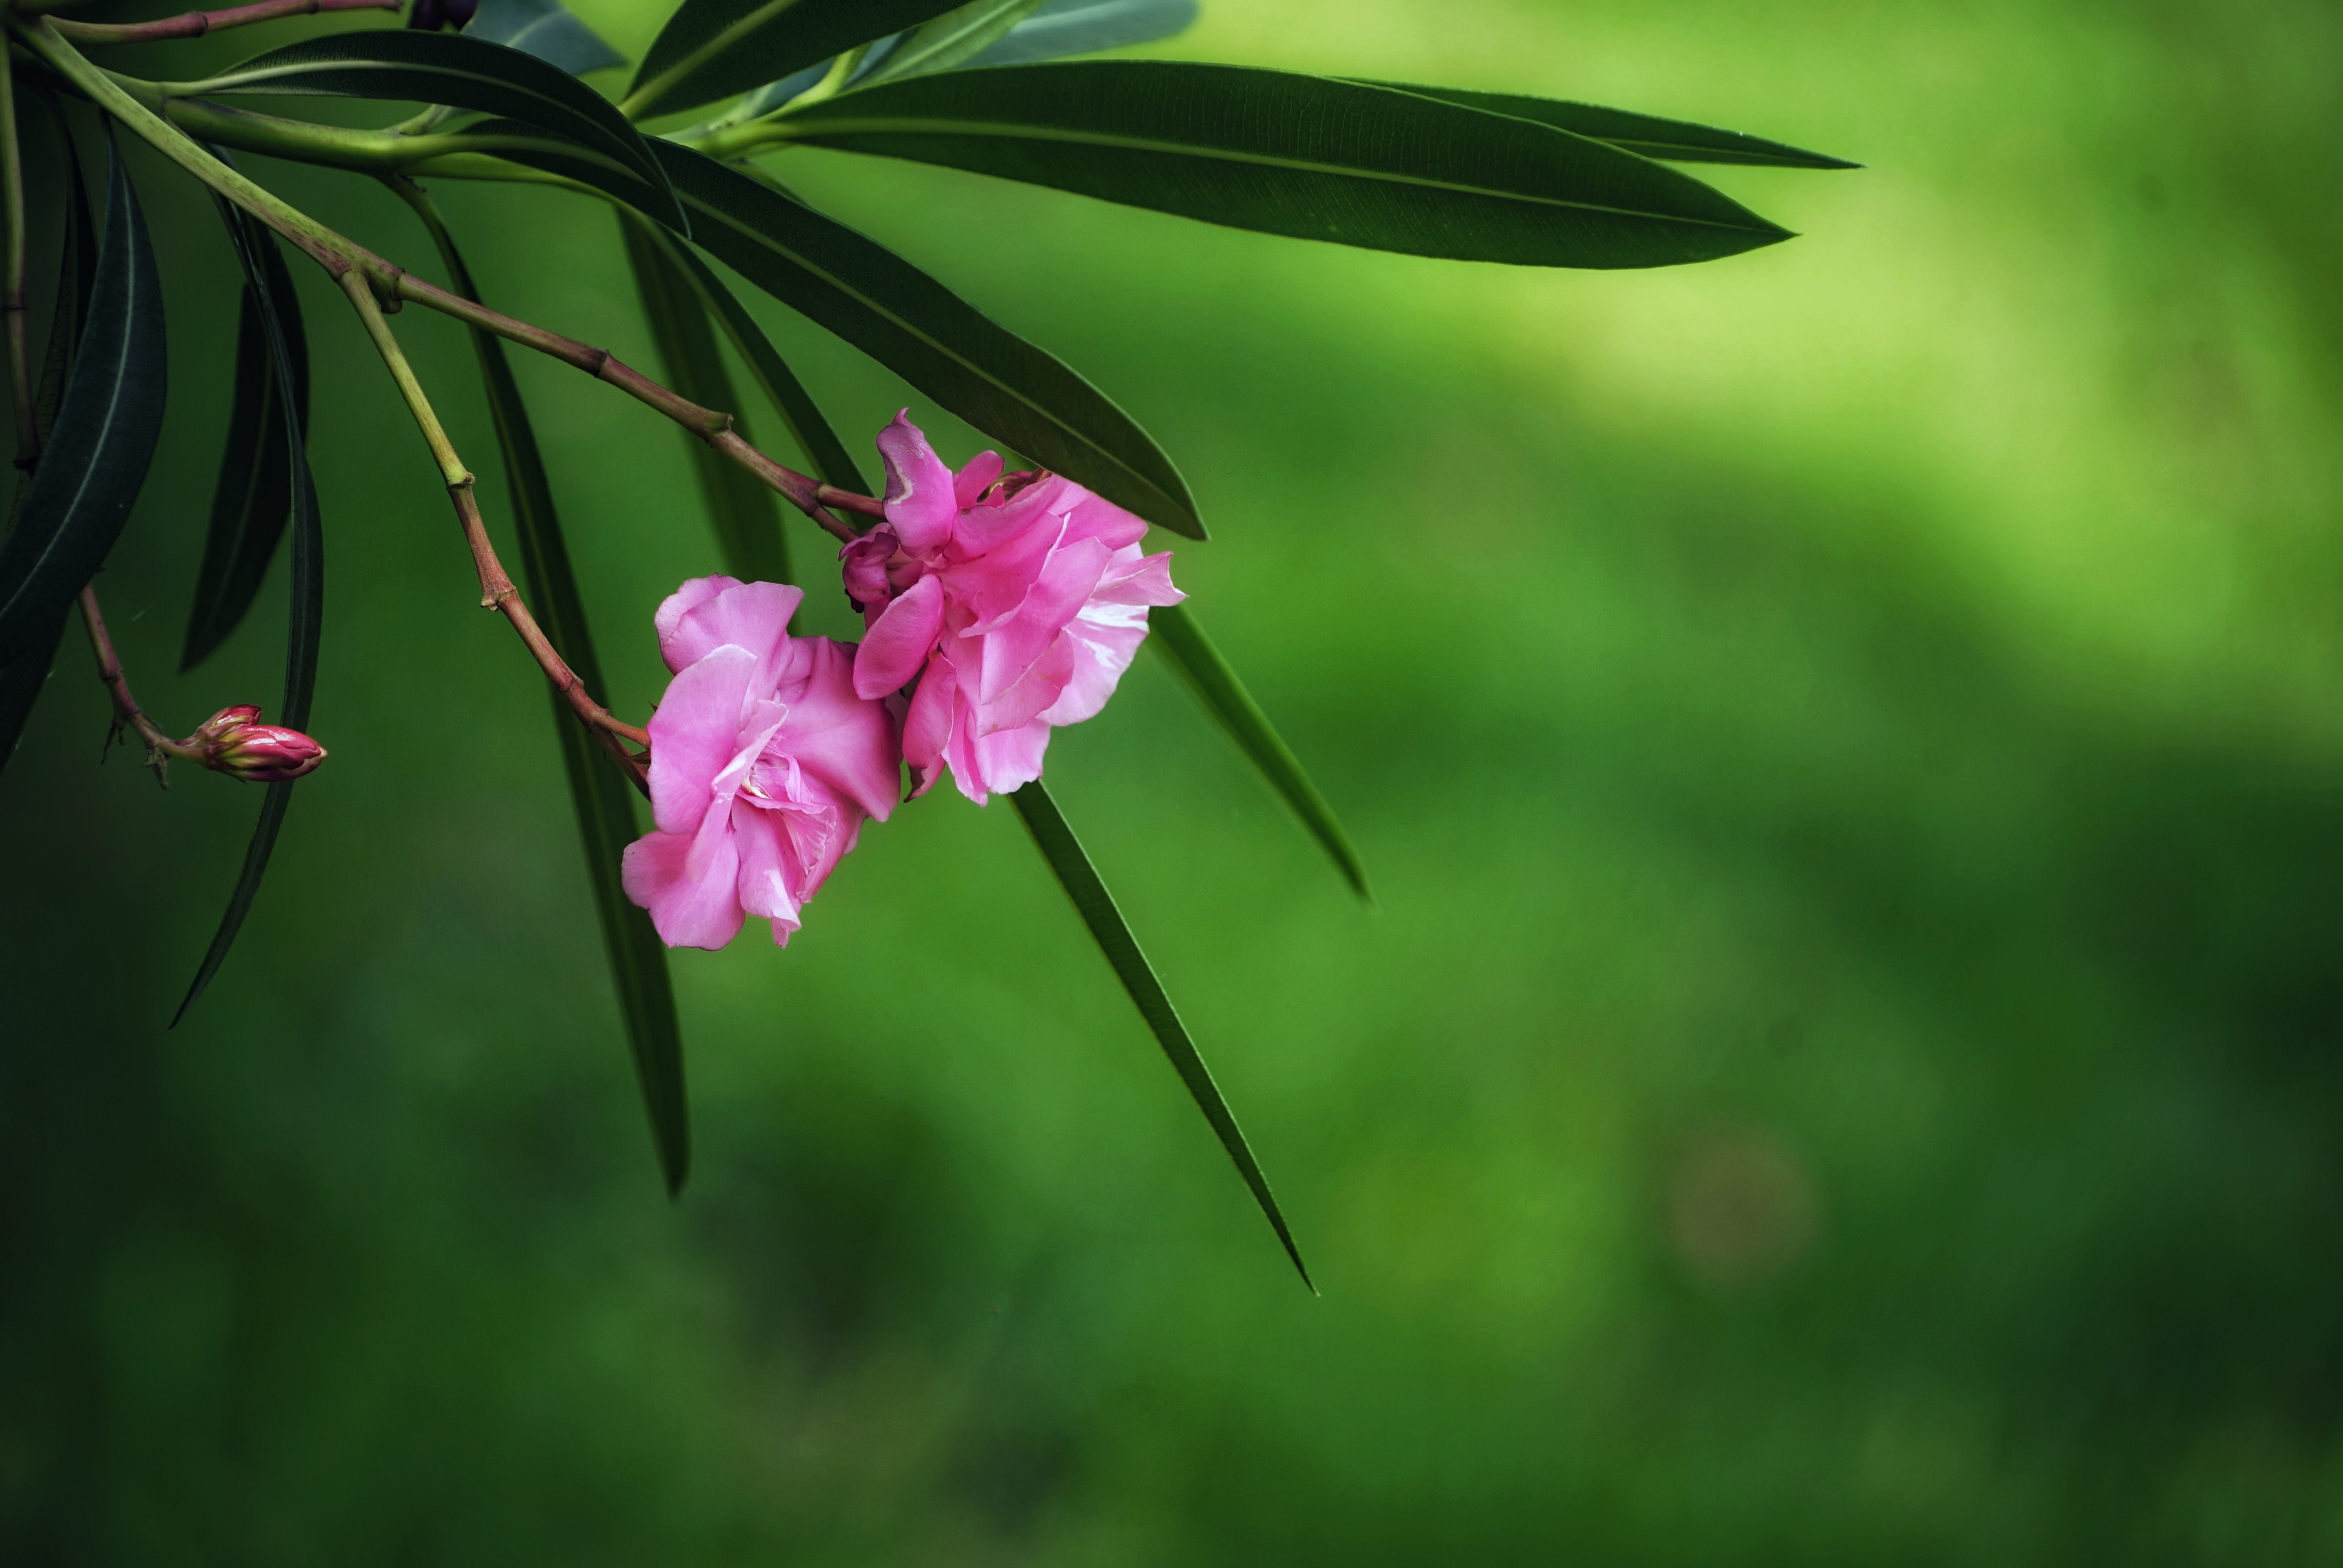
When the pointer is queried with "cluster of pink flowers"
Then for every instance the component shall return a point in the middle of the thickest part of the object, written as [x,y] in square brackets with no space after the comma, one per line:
[1014,602]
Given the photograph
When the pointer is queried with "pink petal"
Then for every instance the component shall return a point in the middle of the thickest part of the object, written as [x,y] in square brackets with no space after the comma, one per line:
[863,566]
[1012,643]
[1103,640]
[688,909]
[1009,757]
[1133,579]
[928,726]
[1091,517]
[765,885]
[846,741]
[1040,686]
[974,479]
[754,616]
[918,486]
[900,640]
[679,604]
[696,734]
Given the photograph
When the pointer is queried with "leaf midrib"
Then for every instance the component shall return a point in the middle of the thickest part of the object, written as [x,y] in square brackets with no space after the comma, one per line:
[811,127]
[643,99]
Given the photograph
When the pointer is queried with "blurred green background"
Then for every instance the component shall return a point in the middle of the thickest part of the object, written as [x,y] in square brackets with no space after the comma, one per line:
[1845,1068]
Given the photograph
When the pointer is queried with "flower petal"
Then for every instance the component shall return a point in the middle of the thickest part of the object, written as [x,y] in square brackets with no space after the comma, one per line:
[975,477]
[918,486]
[686,909]
[766,884]
[1012,643]
[900,640]
[670,616]
[754,616]
[928,726]
[696,734]
[844,740]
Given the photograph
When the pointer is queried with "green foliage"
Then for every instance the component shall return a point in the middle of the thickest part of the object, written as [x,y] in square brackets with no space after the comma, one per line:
[1071,864]
[1298,156]
[1676,141]
[952,39]
[253,495]
[712,49]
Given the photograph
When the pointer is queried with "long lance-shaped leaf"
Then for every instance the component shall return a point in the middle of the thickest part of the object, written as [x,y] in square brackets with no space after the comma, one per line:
[546,29]
[1298,156]
[1675,141]
[603,800]
[900,317]
[951,39]
[253,495]
[1176,636]
[1060,27]
[897,313]
[812,432]
[24,676]
[447,69]
[740,505]
[107,422]
[304,621]
[712,49]
[1096,906]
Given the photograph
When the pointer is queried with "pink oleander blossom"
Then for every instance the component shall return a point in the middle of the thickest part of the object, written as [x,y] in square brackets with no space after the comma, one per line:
[1016,602]
[764,763]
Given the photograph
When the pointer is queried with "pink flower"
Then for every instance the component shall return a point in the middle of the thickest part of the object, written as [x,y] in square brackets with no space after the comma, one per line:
[1018,602]
[234,741]
[764,763]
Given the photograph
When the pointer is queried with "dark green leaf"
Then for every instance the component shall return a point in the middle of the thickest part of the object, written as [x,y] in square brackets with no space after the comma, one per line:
[900,317]
[1199,663]
[446,68]
[1298,156]
[95,460]
[27,674]
[546,29]
[1096,906]
[1060,27]
[712,49]
[253,495]
[601,794]
[832,464]
[1677,141]
[256,247]
[740,507]
[951,39]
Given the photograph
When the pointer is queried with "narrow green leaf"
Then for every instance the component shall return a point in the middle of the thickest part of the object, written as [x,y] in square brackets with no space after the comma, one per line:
[712,49]
[448,68]
[546,29]
[253,495]
[603,800]
[1096,906]
[1298,156]
[1676,141]
[107,422]
[831,462]
[256,248]
[24,675]
[952,39]
[1200,665]
[874,300]
[1060,27]
[741,507]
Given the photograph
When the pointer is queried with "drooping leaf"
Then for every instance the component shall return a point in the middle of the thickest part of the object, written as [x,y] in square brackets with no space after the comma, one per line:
[108,421]
[1060,27]
[914,325]
[448,68]
[1675,141]
[1298,156]
[1200,665]
[256,248]
[951,39]
[546,29]
[253,495]
[1071,865]
[600,793]
[24,675]
[712,49]
[740,507]
[815,438]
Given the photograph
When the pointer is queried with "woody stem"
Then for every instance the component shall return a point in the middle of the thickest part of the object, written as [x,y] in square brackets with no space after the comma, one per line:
[497,589]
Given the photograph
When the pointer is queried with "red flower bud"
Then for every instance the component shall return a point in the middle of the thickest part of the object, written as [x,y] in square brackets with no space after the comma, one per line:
[233,740]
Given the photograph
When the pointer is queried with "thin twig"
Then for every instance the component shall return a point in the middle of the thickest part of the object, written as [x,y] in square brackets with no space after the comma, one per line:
[128,714]
[497,589]
[12,294]
[196,23]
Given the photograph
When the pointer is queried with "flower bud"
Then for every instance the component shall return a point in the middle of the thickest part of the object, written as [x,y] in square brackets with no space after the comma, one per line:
[235,742]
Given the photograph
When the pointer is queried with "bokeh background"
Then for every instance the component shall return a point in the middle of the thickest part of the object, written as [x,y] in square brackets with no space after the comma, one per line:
[1843,1069]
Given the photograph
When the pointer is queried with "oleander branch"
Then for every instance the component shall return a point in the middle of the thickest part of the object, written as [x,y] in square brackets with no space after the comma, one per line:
[196,23]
